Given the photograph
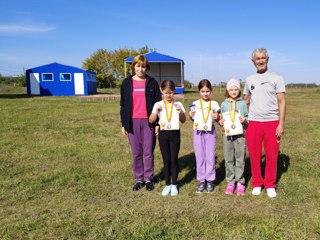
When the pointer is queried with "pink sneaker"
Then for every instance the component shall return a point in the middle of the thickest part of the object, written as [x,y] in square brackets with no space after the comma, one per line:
[240,189]
[230,189]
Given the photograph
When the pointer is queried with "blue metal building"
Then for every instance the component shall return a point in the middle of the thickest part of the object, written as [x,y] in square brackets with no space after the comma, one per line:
[164,67]
[56,79]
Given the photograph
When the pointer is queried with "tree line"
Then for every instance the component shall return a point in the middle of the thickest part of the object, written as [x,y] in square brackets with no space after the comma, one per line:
[109,65]
[19,80]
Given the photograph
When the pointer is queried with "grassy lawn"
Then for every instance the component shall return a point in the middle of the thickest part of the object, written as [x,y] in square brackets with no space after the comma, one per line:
[66,173]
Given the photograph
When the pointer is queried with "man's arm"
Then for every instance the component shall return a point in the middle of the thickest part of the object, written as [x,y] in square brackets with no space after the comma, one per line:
[246,98]
[282,114]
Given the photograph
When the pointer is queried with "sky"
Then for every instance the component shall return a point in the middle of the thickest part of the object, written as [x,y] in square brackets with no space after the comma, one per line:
[214,38]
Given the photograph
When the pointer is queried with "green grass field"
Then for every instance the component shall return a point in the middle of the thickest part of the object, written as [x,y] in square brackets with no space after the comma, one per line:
[66,173]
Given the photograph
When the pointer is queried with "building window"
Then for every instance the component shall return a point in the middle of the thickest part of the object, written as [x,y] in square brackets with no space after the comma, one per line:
[65,76]
[47,76]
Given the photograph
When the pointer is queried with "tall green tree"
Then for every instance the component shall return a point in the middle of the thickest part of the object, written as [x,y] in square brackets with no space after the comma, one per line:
[109,65]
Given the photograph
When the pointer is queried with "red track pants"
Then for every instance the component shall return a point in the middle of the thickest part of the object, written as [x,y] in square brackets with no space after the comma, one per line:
[256,134]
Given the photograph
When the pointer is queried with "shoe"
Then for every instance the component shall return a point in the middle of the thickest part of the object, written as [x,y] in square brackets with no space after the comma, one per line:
[201,187]
[166,190]
[210,187]
[256,191]
[230,189]
[138,185]
[271,192]
[149,186]
[240,189]
[174,190]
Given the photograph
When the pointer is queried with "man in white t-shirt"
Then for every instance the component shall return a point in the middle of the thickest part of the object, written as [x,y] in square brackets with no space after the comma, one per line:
[265,91]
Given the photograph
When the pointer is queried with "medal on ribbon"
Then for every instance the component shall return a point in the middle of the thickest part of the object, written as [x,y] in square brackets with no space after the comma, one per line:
[232,111]
[169,109]
[205,114]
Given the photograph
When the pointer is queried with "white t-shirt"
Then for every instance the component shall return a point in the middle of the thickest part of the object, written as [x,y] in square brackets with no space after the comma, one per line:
[263,89]
[198,123]
[174,123]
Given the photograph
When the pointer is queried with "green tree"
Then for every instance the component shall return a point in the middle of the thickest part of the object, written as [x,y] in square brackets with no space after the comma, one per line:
[21,80]
[109,65]
[187,84]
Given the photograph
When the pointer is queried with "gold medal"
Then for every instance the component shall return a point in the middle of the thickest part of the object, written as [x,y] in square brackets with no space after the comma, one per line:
[169,109]
[205,114]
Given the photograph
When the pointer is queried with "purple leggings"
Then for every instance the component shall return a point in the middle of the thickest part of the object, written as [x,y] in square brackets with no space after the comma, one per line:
[205,151]
[142,142]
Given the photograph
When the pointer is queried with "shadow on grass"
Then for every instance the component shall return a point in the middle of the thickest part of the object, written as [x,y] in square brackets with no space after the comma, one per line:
[188,162]
[247,171]
[220,172]
[282,167]
[15,96]
[185,162]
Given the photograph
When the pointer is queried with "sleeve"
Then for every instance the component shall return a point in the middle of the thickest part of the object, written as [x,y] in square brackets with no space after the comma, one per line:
[245,110]
[158,95]
[215,106]
[281,87]
[246,89]
[182,107]
[154,109]
[122,101]
[223,107]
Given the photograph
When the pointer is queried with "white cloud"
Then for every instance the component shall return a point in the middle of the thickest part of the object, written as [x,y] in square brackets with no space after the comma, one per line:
[24,28]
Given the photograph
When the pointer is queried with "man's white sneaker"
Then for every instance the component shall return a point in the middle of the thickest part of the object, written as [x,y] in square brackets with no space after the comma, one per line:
[256,191]
[271,192]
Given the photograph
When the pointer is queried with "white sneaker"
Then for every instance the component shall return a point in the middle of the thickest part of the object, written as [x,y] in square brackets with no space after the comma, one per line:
[271,192]
[174,190]
[166,190]
[256,191]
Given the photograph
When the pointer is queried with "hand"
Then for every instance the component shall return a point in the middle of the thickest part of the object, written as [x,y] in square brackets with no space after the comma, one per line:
[192,113]
[242,119]
[124,132]
[156,131]
[221,121]
[178,108]
[280,131]
[215,116]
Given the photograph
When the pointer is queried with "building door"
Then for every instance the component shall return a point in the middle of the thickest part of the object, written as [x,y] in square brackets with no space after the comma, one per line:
[78,84]
[34,84]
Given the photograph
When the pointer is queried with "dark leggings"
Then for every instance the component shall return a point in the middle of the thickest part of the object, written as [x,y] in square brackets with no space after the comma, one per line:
[169,142]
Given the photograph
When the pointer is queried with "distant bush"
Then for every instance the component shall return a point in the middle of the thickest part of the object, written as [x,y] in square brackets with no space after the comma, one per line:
[14,80]
[105,81]
[302,85]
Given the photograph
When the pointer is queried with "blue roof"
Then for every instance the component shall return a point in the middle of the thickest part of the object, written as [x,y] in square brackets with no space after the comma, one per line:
[157,57]
[55,65]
